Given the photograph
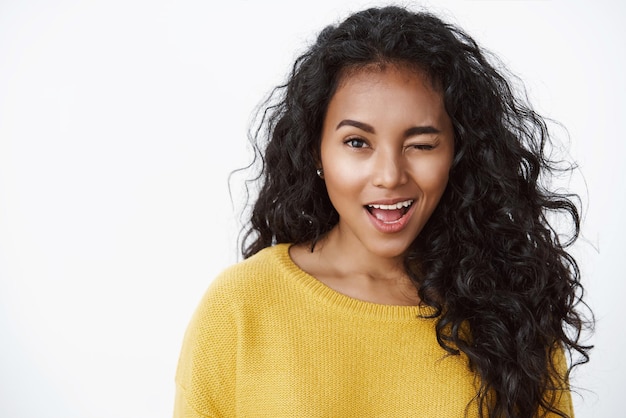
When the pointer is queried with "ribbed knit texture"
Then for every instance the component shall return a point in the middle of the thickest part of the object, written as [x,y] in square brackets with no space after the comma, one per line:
[269,340]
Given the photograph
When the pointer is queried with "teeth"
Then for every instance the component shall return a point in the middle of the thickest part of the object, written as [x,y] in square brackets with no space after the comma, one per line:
[395,206]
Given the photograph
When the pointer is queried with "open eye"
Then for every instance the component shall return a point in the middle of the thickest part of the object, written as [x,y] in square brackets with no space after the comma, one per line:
[355,142]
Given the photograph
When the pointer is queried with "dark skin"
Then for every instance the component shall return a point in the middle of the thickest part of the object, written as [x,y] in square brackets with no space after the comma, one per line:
[386,150]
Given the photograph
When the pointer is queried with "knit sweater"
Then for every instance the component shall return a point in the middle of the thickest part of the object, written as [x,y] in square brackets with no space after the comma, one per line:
[269,340]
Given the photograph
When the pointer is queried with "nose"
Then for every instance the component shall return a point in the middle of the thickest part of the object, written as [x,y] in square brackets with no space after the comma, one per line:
[389,170]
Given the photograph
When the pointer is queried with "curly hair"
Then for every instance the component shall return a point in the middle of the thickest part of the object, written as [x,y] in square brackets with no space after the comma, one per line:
[506,292]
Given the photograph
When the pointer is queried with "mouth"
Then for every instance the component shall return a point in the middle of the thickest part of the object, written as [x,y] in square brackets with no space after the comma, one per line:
[390,214]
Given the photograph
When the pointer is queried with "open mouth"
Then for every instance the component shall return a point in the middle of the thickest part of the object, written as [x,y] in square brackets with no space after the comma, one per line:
[389,213]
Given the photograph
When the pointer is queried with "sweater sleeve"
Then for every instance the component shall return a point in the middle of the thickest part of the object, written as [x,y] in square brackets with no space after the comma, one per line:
[562,394]
[205,377]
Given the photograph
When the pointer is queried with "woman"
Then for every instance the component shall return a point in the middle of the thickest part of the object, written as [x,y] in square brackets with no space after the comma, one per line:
[398,260]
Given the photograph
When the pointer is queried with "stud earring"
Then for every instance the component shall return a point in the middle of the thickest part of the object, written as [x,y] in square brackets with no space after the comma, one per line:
[320,173]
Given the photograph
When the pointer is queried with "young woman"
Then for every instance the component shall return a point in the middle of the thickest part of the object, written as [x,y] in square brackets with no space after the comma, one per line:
[399,262]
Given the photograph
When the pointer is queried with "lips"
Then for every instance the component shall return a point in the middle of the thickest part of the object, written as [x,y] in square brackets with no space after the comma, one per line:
[389,217]
[389,213]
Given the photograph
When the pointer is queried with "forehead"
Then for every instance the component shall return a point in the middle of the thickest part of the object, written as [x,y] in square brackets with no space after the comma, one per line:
[389,93]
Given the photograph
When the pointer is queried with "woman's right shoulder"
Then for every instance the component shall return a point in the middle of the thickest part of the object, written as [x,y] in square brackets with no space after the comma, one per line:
[252,274]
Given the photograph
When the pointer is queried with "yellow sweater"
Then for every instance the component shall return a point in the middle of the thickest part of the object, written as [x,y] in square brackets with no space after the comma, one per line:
[269,340]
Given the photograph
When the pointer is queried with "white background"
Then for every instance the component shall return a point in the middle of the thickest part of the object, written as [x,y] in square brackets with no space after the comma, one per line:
[120,121]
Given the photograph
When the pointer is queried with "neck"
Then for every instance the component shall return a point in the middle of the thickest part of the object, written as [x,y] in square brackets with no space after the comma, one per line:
[352,260]
[343,259]
[355,272]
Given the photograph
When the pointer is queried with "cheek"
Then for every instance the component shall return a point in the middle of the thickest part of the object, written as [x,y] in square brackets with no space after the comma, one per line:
[432,177]
[342,181]
[342,173]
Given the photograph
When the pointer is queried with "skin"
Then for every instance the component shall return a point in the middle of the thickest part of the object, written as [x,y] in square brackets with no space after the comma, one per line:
[386,138]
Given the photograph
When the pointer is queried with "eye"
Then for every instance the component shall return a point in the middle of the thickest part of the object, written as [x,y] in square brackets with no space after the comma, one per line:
[355,142]
[422,147]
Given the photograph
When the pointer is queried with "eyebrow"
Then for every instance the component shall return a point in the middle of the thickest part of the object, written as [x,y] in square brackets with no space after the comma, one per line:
[415,130]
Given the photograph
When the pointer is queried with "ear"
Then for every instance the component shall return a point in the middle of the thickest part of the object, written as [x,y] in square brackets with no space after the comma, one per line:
[317,158]
[318,163]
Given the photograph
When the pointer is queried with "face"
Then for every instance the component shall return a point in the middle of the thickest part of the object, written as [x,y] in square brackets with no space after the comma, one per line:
[386,150]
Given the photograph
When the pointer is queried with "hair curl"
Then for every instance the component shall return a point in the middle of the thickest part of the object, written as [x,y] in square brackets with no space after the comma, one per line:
[504,287]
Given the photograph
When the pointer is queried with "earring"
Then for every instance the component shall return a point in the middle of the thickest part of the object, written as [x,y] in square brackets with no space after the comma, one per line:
[320,173]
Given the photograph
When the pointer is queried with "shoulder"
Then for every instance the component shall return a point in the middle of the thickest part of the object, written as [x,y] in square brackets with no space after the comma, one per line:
[249,282]
[206,373]
[263,268]
[234,295]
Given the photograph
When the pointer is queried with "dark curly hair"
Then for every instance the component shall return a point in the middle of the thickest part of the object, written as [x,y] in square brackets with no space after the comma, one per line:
[505,291]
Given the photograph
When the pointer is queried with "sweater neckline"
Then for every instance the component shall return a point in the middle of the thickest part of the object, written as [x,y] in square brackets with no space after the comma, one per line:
[333,298]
